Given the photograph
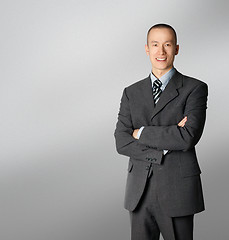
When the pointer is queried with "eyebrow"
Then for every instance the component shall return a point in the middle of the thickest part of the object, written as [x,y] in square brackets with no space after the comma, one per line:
[170,41]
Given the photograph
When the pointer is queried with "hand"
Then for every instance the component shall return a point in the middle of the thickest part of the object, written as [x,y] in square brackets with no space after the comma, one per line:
[182,122]
[135,132]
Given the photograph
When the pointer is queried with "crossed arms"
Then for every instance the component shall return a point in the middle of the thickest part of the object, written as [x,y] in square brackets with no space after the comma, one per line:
[180,124]
[182,136]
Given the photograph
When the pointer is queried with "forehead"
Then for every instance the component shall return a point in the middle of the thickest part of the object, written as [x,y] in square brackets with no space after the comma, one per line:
[161,35]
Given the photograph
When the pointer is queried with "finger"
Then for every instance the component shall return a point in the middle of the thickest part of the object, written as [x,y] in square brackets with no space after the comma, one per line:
[184,119]
[182,122]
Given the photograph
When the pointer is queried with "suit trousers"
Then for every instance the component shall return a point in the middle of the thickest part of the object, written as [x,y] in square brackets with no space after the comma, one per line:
[148,220]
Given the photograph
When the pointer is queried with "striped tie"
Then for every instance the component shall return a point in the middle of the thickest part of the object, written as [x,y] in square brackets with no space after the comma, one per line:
[157,90]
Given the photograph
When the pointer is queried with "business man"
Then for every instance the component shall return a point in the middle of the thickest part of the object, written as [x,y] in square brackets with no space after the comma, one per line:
[160,121]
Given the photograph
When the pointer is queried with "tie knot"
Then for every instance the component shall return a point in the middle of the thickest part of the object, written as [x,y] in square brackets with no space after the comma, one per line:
[157,83]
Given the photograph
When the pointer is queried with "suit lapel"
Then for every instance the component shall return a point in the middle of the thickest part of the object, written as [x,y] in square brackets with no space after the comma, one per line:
[169,93]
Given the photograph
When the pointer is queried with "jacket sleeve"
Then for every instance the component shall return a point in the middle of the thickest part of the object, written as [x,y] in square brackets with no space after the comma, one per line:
[180,138]
[126,144]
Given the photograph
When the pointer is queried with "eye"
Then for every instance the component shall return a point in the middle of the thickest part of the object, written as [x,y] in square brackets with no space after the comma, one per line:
[155,44]
[167,44]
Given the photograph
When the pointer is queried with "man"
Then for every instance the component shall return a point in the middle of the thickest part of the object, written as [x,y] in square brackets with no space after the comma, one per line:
[160,121]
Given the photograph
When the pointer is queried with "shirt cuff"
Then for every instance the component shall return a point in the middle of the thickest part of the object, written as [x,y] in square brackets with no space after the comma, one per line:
[165,151]
[139,132]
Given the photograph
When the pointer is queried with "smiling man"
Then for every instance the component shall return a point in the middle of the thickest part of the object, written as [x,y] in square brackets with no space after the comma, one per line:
[160,121]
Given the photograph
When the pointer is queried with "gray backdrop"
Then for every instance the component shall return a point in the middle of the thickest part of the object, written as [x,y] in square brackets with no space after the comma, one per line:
[64,65]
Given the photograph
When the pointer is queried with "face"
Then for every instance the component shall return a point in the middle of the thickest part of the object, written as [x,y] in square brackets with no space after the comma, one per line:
[161,50]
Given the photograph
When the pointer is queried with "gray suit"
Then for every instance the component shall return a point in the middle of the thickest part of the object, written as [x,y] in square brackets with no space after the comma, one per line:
[179,184]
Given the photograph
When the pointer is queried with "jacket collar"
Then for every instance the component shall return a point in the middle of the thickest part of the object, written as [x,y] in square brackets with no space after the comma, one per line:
[169,93]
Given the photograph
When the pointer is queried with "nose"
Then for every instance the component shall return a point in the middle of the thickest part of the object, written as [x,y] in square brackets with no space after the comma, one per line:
[161,50]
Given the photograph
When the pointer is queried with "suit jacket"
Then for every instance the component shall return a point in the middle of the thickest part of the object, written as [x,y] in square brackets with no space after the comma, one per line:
[179,186]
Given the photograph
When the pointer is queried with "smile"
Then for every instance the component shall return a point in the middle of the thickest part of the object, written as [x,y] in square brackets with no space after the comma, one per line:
[160,59]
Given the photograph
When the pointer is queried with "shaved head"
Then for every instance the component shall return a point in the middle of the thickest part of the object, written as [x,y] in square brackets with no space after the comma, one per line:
[162,25]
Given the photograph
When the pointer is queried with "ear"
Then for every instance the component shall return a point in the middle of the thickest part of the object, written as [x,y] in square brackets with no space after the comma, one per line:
[177,49]
[147,50]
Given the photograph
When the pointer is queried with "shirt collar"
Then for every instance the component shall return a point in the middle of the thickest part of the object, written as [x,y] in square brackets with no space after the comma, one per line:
[164,79]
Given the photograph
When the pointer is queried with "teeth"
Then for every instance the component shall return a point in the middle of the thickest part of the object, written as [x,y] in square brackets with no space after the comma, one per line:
[161,59]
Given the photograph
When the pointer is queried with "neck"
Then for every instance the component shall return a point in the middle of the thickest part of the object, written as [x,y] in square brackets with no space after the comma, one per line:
[159,73]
